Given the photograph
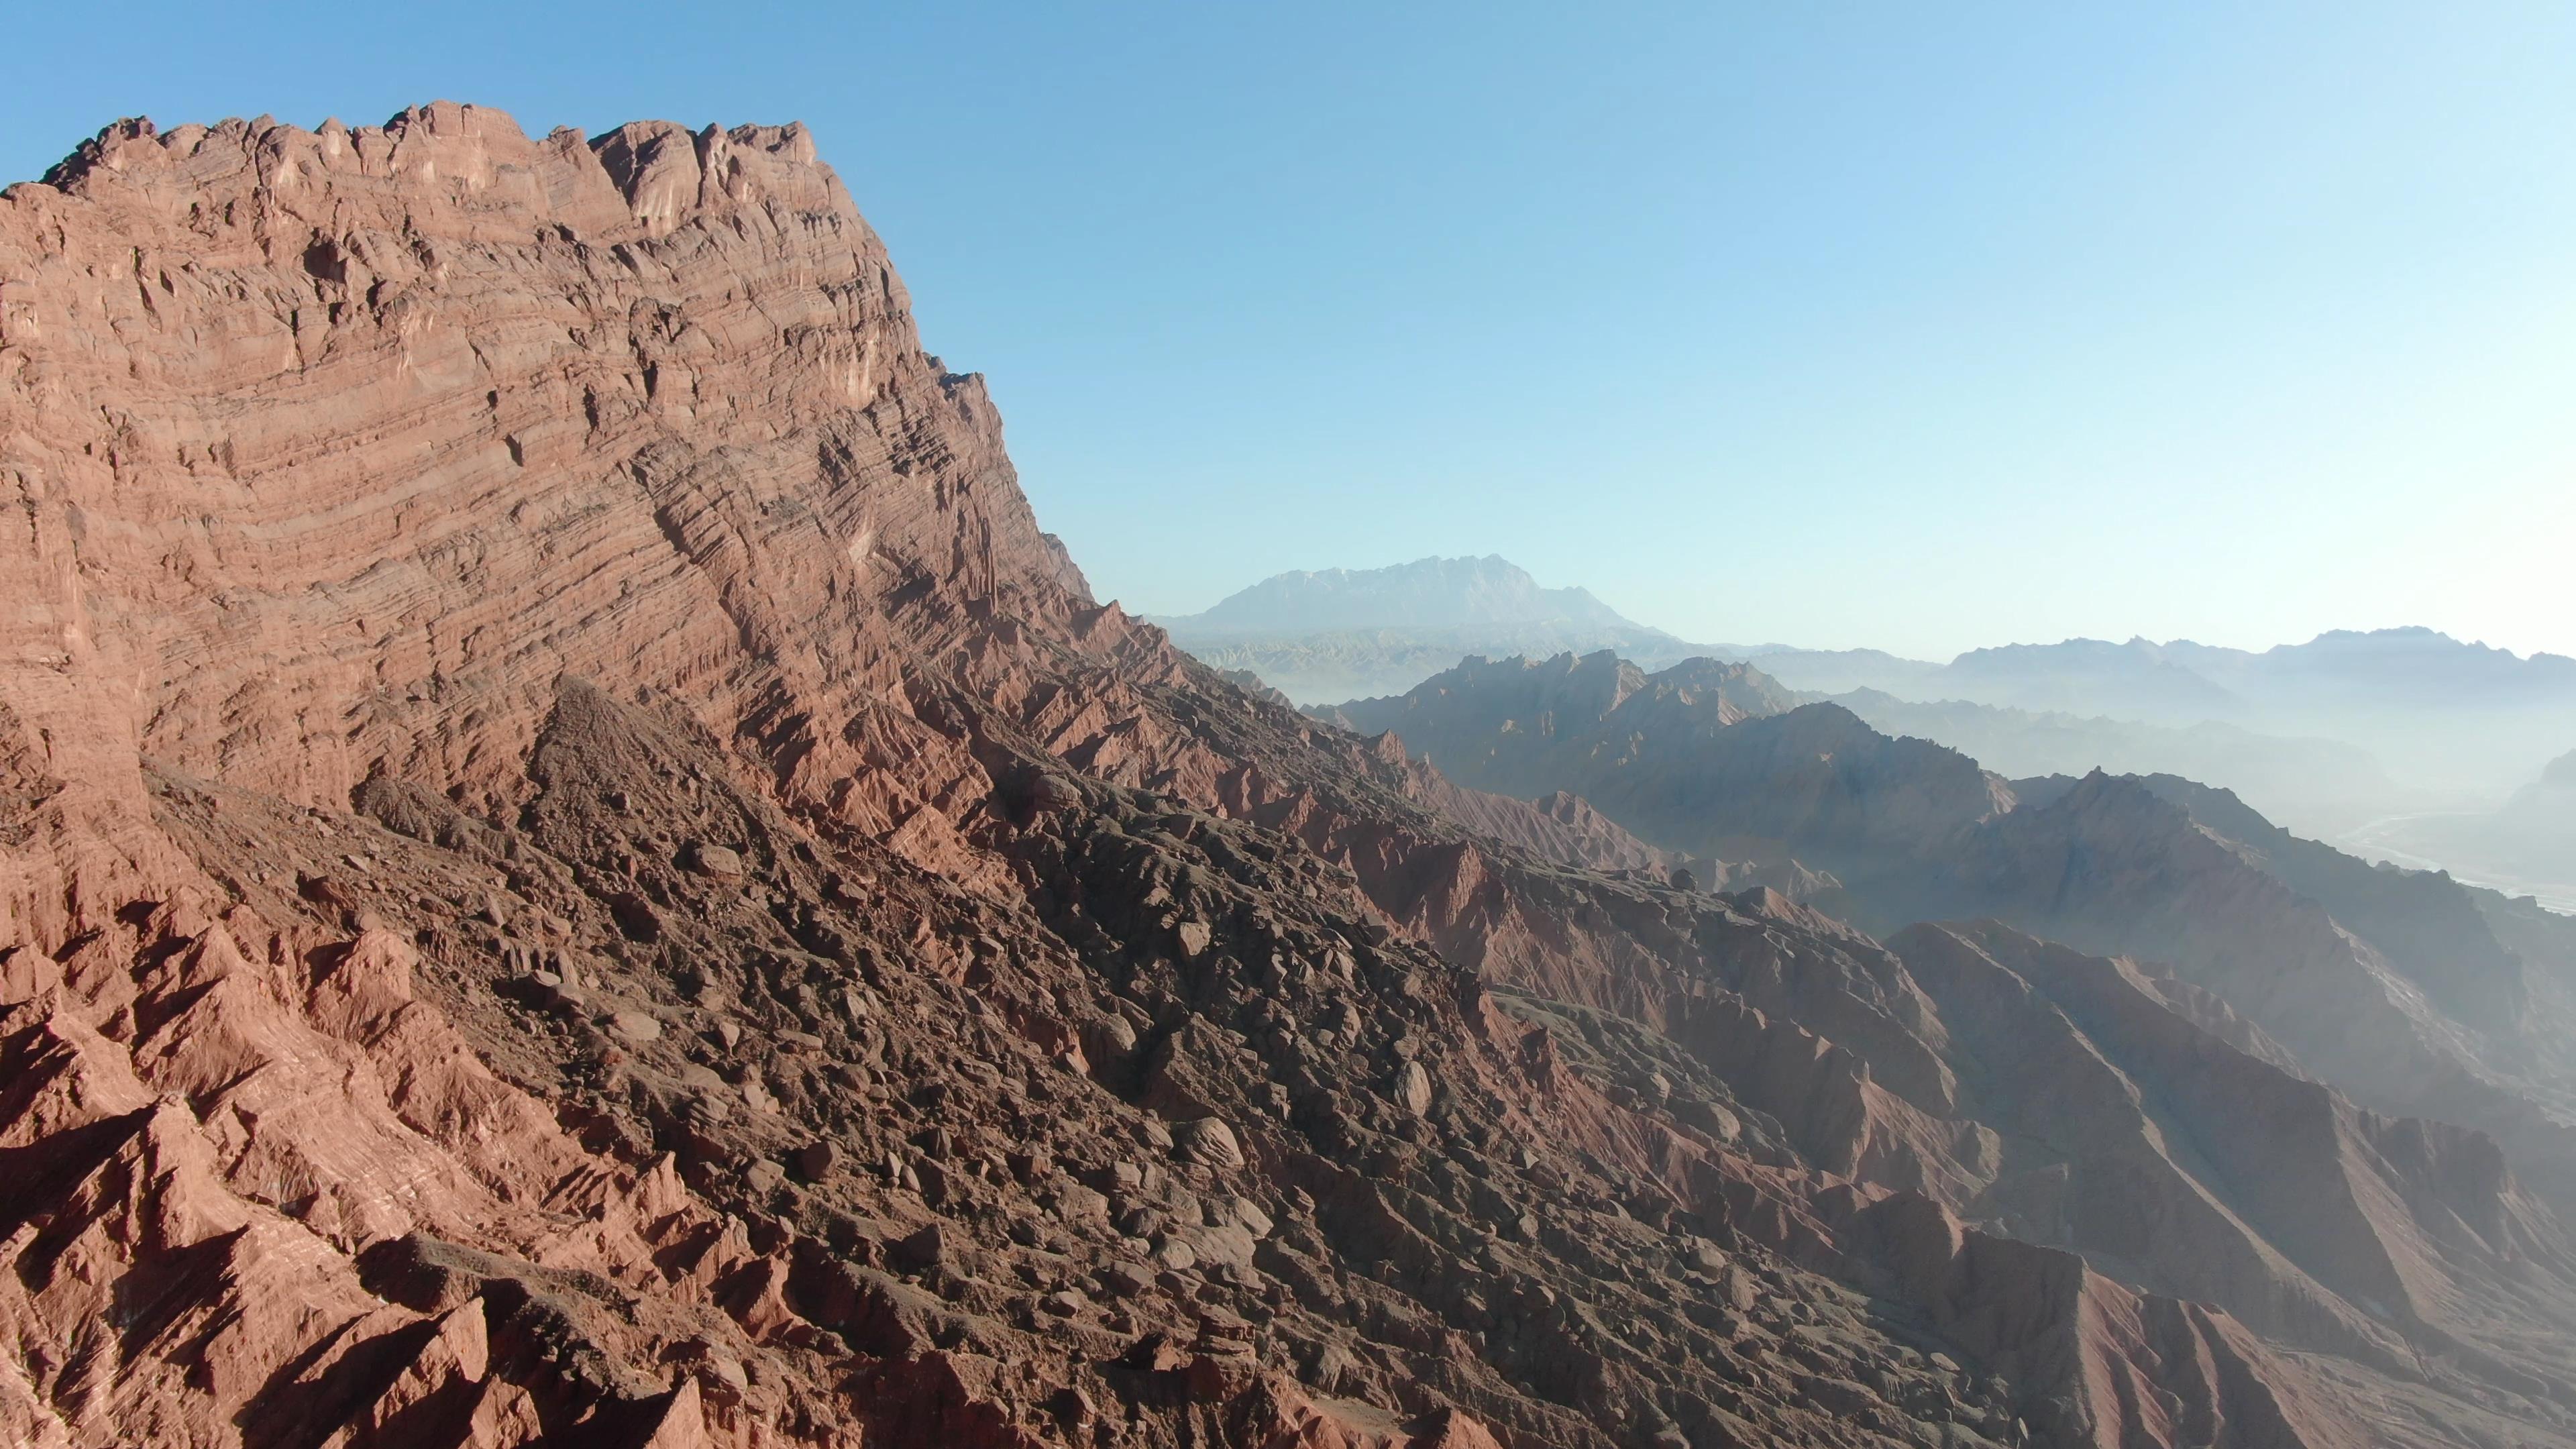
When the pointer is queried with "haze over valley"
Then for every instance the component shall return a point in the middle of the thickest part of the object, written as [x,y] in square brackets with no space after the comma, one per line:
[2401,744]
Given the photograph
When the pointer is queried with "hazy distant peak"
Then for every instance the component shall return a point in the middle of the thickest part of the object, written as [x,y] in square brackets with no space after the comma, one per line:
[1442,593]
[2136,677]
[2136,646]
[2401,639]
[2412,639]
[1321,635]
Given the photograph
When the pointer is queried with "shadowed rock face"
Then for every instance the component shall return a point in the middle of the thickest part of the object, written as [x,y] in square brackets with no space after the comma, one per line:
[2397,986]
[2307,965]
[577,869]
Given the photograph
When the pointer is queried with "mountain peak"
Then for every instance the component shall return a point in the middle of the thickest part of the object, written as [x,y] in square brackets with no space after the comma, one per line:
[1430,592]
[2560,772]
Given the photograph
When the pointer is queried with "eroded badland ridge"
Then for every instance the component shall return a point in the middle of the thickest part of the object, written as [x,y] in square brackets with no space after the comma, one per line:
[578,870]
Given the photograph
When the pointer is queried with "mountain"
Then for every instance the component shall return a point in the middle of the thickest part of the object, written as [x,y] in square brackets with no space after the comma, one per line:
[2390,984]
[1846,671]
[576,868]
[2352,987]
[2445,721]
[2180,680]
[2347,729]
[1712,759]
[2321,786]
[2357,668]
[2132,680]
[1432,593]
[1342,633]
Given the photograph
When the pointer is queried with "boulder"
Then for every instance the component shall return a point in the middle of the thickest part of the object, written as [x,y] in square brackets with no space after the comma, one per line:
[815,1160]
[717,862]
[1207,1142]
[1412,1090]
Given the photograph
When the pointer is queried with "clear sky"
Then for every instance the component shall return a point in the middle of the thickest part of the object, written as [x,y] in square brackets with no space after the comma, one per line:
[1914,326]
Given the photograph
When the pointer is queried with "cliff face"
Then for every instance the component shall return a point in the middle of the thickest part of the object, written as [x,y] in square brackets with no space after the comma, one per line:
[577,869]
[332,455]
[333,451]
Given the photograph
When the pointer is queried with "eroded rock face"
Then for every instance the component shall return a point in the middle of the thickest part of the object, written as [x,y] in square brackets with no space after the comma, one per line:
[577,870]
[353,442]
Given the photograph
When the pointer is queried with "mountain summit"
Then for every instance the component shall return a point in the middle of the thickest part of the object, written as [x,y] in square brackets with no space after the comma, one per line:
[1432,593]
[1321,636]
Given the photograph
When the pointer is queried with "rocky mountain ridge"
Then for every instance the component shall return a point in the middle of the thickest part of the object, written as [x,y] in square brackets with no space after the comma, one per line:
[574,867]
[2347,736]
[2393,986]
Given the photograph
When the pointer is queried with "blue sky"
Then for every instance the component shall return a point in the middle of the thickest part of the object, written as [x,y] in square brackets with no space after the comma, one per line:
[1921,327]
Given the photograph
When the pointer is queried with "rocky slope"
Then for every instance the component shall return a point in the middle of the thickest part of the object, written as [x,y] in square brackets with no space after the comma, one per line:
[1712,759]
[576,869]
[2393,986]
[2427,1011]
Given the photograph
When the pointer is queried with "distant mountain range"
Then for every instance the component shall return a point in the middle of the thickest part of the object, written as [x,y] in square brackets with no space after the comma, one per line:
[2337,735]
[2346,729]
[2422,995]
[2186,681]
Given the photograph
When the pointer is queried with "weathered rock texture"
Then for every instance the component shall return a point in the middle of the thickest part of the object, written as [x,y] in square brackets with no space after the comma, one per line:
[577,870]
